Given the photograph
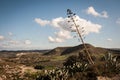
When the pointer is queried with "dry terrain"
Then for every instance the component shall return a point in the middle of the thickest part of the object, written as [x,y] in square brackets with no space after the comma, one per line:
[20,65]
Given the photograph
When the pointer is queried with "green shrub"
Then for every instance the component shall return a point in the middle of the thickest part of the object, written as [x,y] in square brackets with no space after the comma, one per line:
[71,60]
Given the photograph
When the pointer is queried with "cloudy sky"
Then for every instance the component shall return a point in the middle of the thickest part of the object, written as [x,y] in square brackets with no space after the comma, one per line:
[43,24]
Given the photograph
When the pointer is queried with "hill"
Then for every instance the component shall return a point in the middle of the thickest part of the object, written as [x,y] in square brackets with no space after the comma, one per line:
[80,48]
[56,51]
[12,54]
[14,64]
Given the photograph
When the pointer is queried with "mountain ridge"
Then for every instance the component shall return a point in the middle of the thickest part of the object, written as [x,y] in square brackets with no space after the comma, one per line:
[80,48]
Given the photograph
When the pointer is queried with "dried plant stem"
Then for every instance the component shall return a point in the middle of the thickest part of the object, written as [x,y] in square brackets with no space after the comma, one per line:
[88,53]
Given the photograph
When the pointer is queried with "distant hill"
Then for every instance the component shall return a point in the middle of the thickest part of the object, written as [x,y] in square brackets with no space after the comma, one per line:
[115,50]
[11,54]
[56,51]
[63,51]
[80,48]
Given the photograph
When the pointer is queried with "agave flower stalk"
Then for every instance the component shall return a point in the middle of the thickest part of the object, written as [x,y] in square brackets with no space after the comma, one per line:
[71,15]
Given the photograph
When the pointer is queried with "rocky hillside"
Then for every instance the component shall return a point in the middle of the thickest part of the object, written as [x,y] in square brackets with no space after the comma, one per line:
[80,48]
[57,51]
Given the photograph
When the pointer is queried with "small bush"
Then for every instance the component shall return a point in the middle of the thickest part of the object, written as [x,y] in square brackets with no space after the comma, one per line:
[70,60]
[39,67]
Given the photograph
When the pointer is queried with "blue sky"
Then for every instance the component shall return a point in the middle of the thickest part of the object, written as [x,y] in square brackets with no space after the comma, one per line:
[41,24]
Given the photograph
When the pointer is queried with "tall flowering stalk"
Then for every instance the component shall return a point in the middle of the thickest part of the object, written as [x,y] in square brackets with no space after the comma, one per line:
[72,16]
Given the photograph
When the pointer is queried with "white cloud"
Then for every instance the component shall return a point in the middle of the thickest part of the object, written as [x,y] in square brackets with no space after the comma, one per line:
[109,39]
[118,21]
[55,40]
[60,36]
[4,45]
[10,33]
[63,34]
[15,42]
[27,42]
[104,14]
[41,22]
[93,12]
[7,43]
[51,39]
[64,28]
[55,22]
[2,37]
[88,26]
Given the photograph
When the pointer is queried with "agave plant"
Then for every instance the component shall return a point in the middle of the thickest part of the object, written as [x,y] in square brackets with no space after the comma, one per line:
[55,74]
[112,65]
